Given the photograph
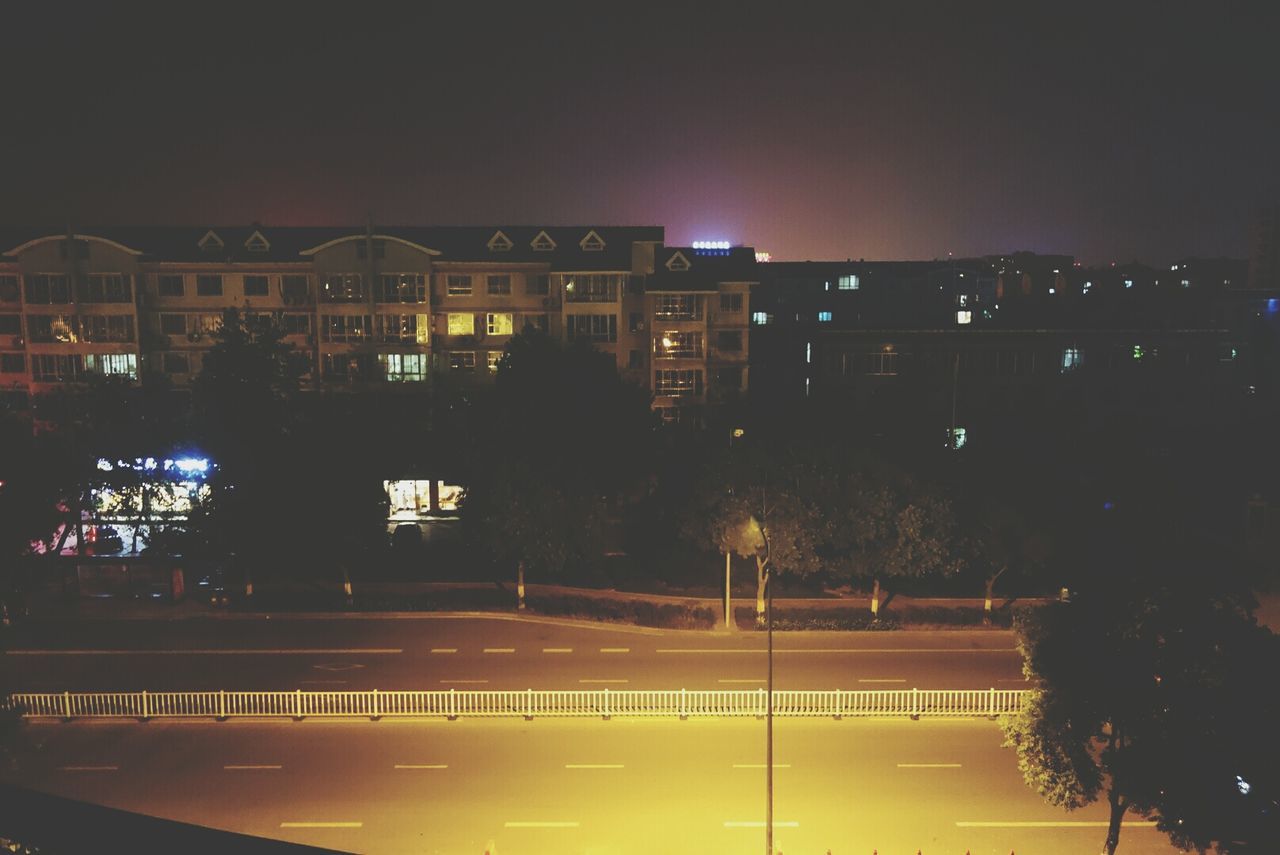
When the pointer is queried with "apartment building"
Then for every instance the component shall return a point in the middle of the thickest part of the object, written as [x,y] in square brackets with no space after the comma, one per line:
[384,305]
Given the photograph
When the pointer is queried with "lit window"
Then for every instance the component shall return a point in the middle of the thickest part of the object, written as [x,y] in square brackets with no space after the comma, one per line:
[403,367]
[956,438]
[1128,283]
[499,323]
[1186,283]
[824,317]
[462,323]
[964,316]
[761,318]
[849,282]
[115,364]
[674,344]
[808,351]
[493,358]
[1137,351]
[1087,286]
[1070,358]
[963,299]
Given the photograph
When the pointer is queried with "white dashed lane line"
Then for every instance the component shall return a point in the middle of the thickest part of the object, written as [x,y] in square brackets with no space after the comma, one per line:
[444,650]
[499,650]
[557,650]
[615,649]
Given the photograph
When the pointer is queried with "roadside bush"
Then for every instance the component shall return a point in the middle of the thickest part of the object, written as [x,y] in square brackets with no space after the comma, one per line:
[640,612]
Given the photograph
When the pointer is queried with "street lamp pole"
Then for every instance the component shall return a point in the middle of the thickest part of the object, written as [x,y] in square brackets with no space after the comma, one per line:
[768,718]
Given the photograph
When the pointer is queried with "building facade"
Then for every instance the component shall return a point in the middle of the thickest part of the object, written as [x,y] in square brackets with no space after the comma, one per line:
[384,305]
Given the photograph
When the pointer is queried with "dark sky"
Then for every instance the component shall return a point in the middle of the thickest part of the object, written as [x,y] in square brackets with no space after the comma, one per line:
[832,131]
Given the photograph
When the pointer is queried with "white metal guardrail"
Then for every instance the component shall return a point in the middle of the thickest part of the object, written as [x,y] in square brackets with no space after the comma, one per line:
[530,703]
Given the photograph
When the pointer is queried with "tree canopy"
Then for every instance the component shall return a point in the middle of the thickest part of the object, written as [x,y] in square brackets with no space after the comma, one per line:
[1148,697]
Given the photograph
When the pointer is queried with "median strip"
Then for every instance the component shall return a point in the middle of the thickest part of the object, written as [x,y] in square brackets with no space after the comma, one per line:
[928,765]
[281,651]
[421,766]
[540,825]
[248,768]
[322,825]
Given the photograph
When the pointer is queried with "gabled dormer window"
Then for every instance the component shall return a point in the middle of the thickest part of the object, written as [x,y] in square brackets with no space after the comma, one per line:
[677,262]
[210,242]
[592,242]
[500,242]
[256,243]
[543,242]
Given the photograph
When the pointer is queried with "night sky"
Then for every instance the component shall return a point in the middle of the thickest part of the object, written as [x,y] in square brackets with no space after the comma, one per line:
[809,131]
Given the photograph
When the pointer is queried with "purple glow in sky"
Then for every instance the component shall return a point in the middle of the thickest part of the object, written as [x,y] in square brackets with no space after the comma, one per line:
[860,130]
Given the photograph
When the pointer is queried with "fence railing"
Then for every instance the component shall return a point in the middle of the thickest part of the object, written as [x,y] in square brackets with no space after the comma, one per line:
[530,703]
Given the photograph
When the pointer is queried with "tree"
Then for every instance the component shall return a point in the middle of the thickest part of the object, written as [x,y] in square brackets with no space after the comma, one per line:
[1147,697]
[556,445]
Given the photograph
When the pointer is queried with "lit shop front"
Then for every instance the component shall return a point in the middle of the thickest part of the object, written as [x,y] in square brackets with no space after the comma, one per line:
[418,499]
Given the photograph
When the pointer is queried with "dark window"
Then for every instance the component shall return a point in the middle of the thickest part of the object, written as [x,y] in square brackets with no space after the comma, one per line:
[170,285]
[636,322]
[53,368]
[540,284]
[12,363]
[8,289]
[295,289]
[177,363]
[535,322]
[343,288]
[292,323]
[255,286]
[173,324]
[635,284]
[105,288]
[731,302]
[458,285]
[592,327]
[10,324]
[633,359]
[726,340]
[101,328]
[500,284]
[209,285]
[462,360]
[48,288]
[402,288]
[730,378]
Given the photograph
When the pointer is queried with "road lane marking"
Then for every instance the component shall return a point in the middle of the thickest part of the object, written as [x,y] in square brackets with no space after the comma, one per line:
[883,681]
[422,766]
[444,650]
[615,649]
[739,681]
[776,824]
[760,766]
[763,650]
[540,825]
[88,768]
[246,768]
[499,650]
[280,651]
[928,765]
[557,650]
[322,825]
[604,681]
[465,682]
[1056,824]
[593,765]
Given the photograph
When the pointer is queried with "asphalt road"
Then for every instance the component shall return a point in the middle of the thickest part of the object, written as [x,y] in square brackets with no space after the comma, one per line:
[557,786]
[484,653]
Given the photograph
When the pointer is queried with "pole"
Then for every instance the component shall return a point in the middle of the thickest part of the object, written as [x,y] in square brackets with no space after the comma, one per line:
[768,718]
[728,600]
